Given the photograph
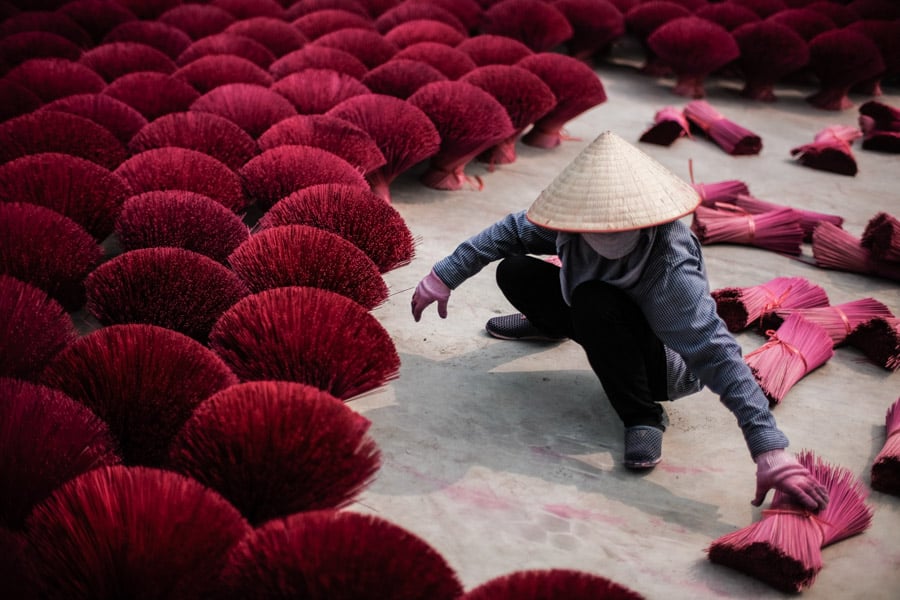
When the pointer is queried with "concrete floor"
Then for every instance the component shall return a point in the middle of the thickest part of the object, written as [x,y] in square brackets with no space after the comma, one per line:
[506,456]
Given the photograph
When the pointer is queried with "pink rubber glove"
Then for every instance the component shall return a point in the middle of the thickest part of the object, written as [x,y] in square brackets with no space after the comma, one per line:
[780,470]
[430,289]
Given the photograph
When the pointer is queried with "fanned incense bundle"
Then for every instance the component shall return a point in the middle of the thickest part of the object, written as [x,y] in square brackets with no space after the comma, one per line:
[53,78]
[550,583]
[198,20]
[253,108]
[162,36]
[882,237]
[731,137]
[19,47]
[839,320]
[795,349]
[211,71]
[424,30]
[880,124]
[114,59]
[275,34]
[318,57]
[784,548]
[316,91]
[879,340]
[885,474]
[742,307]
[401,77]
[669,124]
[152,94]
[834,248]
[776,230]
[830,151]
[116,116]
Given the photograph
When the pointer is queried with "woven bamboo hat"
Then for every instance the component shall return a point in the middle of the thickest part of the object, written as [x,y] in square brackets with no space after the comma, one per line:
[612,186]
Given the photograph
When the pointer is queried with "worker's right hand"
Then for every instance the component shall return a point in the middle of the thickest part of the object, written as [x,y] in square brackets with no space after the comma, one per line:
[431,289]
[780,470]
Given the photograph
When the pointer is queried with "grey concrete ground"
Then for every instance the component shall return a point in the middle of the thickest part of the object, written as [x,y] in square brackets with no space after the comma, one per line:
[507,456]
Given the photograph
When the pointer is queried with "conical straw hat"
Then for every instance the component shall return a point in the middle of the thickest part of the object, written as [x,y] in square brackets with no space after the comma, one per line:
[612,186]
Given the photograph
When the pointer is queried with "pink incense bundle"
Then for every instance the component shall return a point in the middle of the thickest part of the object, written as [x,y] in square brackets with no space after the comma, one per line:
[316,91]
[16,100]
[693,48]
[318,57]
[805,22]
[576,86]
[550,583]
[246,9]
[74,187]
[834,248]
[204,132]
[405,12]
[404,134]
[720,191]
[328,133]
[53,78]
[469,120]
[487,49]
[784,548]
[116,116]
[776,230]
[278,36]
[839,320]
[227,44]
[213,70]
[882,237]
[97,17]
[162,36]
[880,124]
[523,94]
[424,30]
[64,133]
[840,59]
[743,307]
[180,219]
[830,151]
[643,19]
[539,25]
[596,24]
[807,219]
[296,10]
[368,46]
[731,137]
[315,24]
[770,52]
[885,473]
[153,94]
[401,77]
[198,20]
[253,108]
[729,15]
[114,59]
[172,168]
[795,349]
[669,124]
[451,62]
[19,47]
[879,340]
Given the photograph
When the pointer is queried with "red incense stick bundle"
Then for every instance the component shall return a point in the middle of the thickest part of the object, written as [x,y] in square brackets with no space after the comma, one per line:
[879,340]
[776,230]
[731,137]
[784,548]
[838,320]
[669,124]
[885,472]
[807,219]
[882,237]
[830,151]
[795,349]
[834,248]
[741,307]
[720,191]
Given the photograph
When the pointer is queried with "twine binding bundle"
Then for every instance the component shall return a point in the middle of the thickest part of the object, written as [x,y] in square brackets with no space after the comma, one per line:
[882,237]
[720,191]
[839,320]
[784,548]
[885,474]
[669,124]
[742,307]
[830,150]
[880,124]
[795,349]
[807,219]
[728,135]
[776,230]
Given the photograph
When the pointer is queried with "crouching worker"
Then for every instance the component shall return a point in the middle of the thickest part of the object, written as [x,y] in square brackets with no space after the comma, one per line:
[632,291]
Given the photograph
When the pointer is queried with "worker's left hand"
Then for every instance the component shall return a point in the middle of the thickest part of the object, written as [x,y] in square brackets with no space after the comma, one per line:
[431,289]
[780,470]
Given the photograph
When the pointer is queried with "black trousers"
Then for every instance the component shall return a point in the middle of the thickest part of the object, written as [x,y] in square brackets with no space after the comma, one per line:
[622,349]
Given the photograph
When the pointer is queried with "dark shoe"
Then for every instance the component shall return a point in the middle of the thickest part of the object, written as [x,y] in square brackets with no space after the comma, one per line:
[643,447]
[517,327]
